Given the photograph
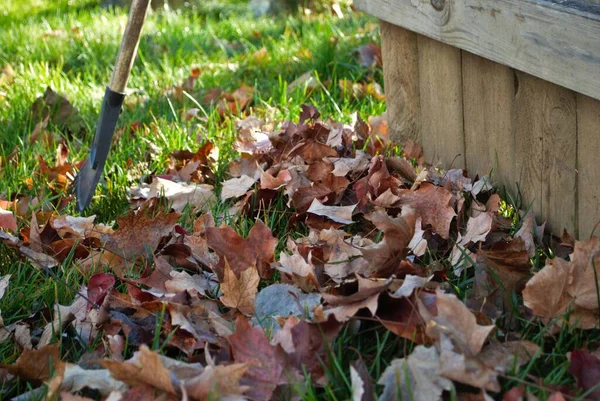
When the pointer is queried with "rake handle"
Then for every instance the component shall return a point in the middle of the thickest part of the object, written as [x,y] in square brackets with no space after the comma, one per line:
[129,45]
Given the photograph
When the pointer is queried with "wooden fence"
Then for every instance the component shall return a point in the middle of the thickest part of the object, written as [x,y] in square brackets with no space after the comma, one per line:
[508,86]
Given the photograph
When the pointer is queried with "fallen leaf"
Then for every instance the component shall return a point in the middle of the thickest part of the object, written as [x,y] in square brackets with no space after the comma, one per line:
[60,110]
[7,220]
[36,365]
[456,322]
[362,386]
[432,204]
[250,345]
[562,287]
[282,300]
[258,249]
[149,368]
[240,293]
[585,367]
[339,214]
[236,187]
[199,197]
[140,233]
[415,377]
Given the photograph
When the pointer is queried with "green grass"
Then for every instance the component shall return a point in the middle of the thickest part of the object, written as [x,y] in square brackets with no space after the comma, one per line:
[220,38]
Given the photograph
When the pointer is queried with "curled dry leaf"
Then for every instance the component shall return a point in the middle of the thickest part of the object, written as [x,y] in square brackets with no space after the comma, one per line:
[199,197]
[236,187]
[432,204]
[562,287]
[416,377]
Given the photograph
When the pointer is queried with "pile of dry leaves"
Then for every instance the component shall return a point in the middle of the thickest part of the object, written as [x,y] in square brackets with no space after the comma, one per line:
[383,234]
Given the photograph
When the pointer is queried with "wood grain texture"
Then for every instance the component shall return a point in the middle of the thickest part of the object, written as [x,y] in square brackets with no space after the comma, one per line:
[554,41]
[545,150]
[440,82]
[401,81]
[588,165]
[488,92]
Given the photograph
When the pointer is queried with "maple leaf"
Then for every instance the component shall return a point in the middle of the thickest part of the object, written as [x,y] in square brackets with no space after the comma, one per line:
[562,287]
[147,367]
[140,233]
[236,187]
[200,197]
[344,307]
[456,322]
[258,249]
[240,293]
[500,272]
[36,365]
[60,111]
[266,366]
[302,272]
[267,181]
[585,366]
[432,204]
[385,255]
[339,214]
[218,381]
[416,377]
[282,300]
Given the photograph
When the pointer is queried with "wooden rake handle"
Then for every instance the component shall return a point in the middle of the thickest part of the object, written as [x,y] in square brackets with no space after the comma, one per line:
[129,45]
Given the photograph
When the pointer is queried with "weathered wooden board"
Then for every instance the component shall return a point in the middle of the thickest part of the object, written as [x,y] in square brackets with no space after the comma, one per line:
[588,165]
[401,81]
[488,91]
[440,85]
[545,150]
[556,41]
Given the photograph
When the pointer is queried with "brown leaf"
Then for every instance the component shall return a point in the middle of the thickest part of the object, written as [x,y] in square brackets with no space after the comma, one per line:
[586,368]
[267,181]
[432,204]
[250,345]
[149,368]
[397,233]
[362,386]
[140,233]
[241,253]
[218,381]
[339,214]
[457,323]
[7,220]
[563,286]
[369,55]
[367,296]
[240,293]
[36,365]
[61,112]
[500,272]
[415,377]
[236,187]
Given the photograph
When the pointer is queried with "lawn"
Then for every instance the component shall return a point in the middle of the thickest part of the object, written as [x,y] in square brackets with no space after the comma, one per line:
[201,69]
